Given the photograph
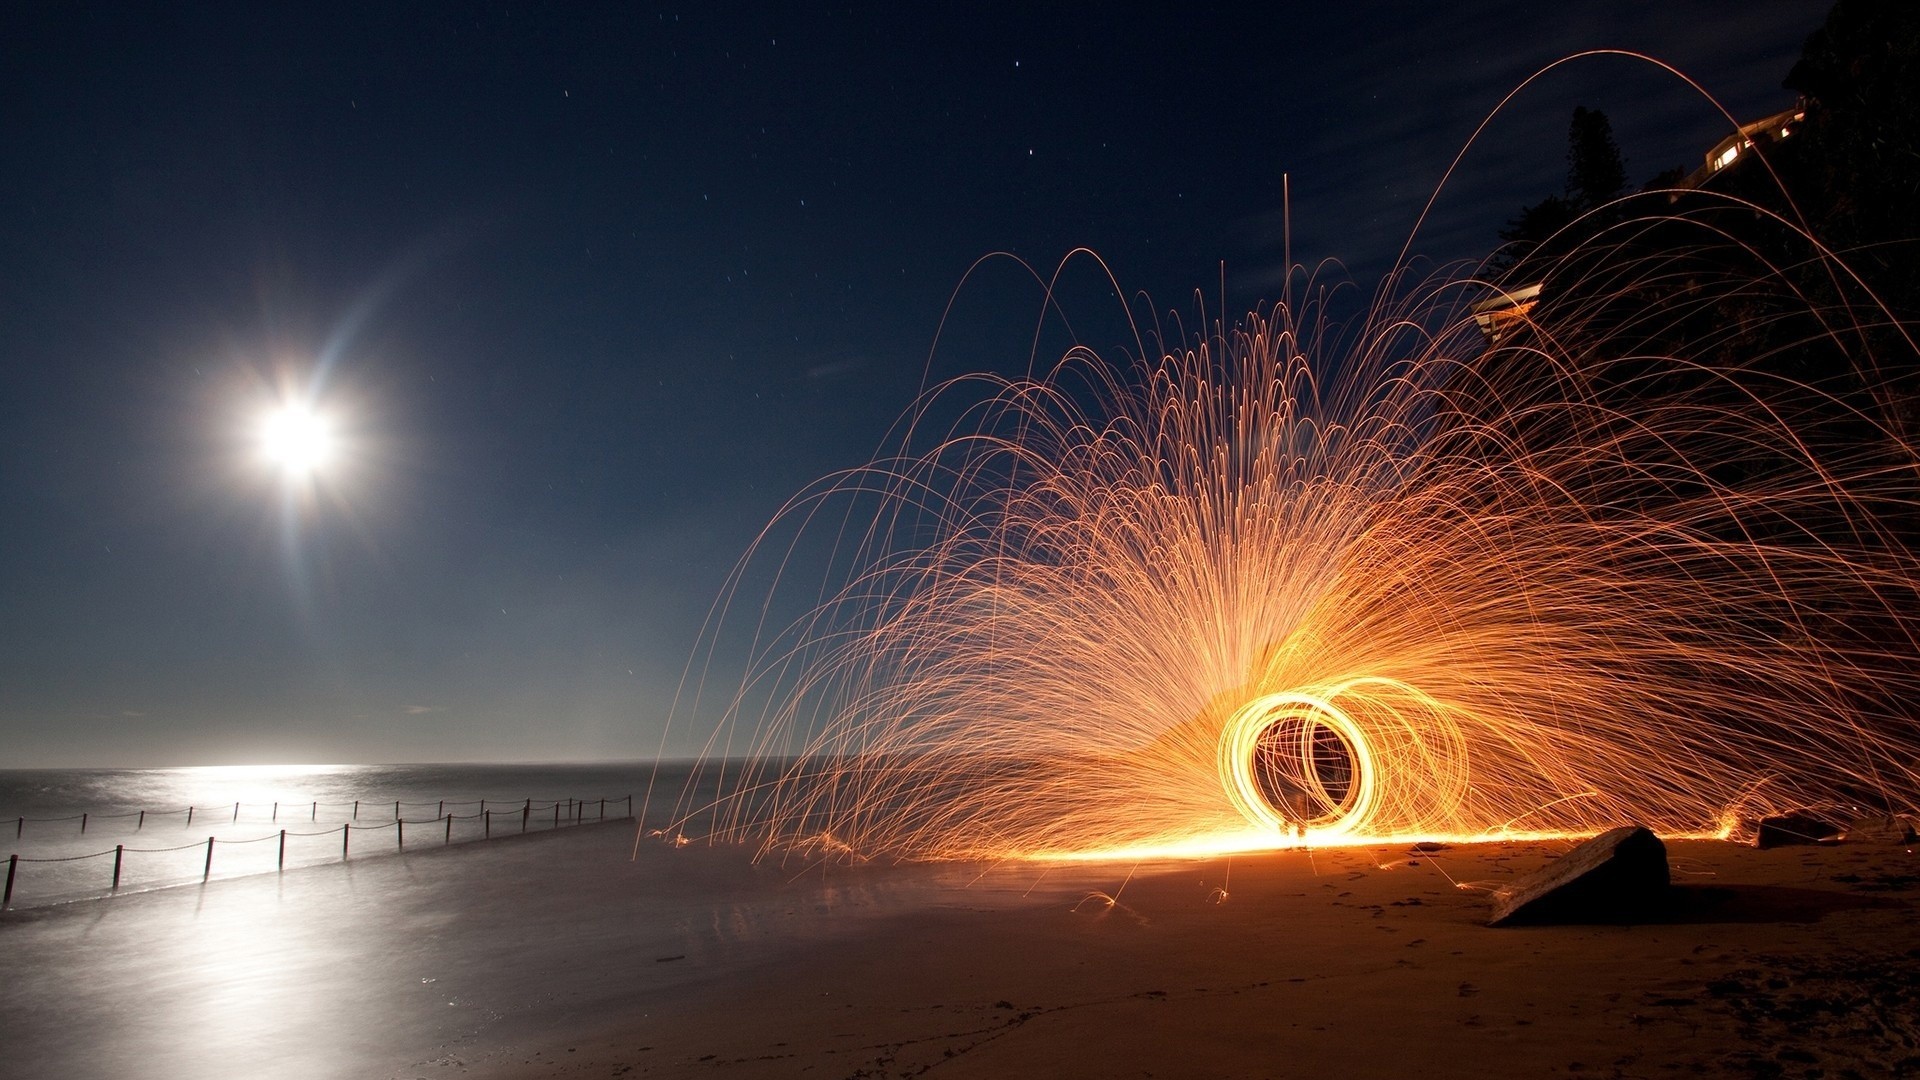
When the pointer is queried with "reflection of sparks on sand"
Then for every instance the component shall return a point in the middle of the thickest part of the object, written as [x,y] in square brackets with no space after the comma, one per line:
[1250,596]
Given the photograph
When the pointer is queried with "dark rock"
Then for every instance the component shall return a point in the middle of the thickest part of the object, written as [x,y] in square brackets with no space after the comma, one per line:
[1795,828]
[1882,829]
[1617,876]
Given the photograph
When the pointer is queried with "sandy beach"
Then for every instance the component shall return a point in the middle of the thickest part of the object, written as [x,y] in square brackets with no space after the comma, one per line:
[555,955]
[1358,962]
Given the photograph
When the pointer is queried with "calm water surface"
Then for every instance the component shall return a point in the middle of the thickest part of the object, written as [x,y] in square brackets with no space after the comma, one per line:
[144,814]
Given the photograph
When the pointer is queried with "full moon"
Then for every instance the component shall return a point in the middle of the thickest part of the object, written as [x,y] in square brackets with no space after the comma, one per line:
[296,439]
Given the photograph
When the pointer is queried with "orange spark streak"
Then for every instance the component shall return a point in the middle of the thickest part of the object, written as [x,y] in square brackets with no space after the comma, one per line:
[1248,595]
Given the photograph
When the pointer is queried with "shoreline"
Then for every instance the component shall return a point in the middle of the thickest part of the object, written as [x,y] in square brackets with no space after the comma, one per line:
[564,958]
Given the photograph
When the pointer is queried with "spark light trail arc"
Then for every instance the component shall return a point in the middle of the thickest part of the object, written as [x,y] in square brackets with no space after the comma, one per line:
[1255,591]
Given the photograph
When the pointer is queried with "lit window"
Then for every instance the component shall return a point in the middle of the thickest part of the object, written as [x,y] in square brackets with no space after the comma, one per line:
[1726,157]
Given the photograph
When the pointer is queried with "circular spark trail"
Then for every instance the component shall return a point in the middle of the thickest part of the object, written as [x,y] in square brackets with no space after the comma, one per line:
[1250,591]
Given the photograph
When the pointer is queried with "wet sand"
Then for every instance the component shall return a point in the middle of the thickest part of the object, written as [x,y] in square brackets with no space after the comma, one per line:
[556,956]
[1357,963]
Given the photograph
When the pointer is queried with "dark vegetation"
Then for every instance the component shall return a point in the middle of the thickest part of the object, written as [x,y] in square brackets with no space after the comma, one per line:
[1790,277]
[1730,271]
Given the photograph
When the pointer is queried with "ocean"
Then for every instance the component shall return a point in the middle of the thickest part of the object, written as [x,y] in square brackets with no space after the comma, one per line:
[444,956]
[67,828]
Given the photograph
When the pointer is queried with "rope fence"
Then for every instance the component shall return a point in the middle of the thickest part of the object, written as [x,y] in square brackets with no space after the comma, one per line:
[277,808]
[569,811]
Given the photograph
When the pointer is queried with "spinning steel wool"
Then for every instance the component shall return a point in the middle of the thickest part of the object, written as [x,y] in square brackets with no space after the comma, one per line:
[1261,588]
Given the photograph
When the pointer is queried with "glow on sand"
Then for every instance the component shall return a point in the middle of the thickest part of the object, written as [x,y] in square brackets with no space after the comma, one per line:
[1265,587]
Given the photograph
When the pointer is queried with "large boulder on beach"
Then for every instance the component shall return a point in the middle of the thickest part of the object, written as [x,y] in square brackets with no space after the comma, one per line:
[1799,827]
[1880,829]
[1617,876]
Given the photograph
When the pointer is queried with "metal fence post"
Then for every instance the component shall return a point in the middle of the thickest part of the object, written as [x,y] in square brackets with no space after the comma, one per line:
[574,812]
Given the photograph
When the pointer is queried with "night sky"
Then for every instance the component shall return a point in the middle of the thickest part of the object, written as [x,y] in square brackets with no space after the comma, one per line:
[589,291]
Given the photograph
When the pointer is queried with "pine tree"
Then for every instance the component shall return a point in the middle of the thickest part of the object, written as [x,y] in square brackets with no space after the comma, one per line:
[1596,174]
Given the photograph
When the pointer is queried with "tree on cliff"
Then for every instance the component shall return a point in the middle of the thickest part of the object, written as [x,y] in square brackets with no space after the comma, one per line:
[1596,175]
[1856,173]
